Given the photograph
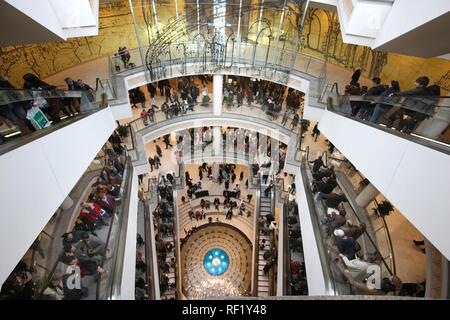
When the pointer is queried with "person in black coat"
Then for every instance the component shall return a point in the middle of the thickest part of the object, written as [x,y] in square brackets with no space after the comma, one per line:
[355,77]
[157,162]
[158,151]
[348,246]
[324,173]
[152,91]
[409,118]
[316,132]
[166,139]
[151,161]
[168,94]
[325,186]
[366,107]
[381,109]
[268,190]
[317,164]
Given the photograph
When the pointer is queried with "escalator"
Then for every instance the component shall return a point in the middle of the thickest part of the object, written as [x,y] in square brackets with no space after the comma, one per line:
[55,155]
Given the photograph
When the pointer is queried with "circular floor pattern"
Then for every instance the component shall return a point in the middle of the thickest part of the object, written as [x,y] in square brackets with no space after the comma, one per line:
[216,262]
[207,245]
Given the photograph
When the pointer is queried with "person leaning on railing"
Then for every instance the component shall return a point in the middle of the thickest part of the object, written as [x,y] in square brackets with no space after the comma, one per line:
[15,111]
[72,104]
[55,105]
[381,109]
[366,107]
[410,118]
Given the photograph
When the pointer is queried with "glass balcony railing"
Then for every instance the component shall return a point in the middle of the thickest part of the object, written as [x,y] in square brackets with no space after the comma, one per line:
[251,110]
[342,278]
[194,57]
[424,119]
[48,261]
[294,271]
[381,235]
[26,115]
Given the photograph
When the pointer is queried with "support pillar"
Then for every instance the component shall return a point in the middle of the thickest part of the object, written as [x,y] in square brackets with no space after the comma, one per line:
[217,94]
[366,195]
[217,141]
[67,203]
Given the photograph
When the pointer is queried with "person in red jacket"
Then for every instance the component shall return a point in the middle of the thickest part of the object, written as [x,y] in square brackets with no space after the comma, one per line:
[92,211]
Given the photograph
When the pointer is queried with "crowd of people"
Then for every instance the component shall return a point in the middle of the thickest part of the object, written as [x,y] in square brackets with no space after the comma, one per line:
[224,174]
[141,284]
[269,95]
[378,102]
[298,282]
[82,246]
[21,114]
[256,147]
[84,252]
[163,216]
[185,95]
[178,100]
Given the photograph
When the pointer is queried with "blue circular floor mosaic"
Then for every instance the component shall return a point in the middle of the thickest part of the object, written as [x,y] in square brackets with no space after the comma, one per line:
[216,262]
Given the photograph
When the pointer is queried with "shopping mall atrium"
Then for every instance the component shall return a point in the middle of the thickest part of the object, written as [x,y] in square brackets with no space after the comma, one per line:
[224,149]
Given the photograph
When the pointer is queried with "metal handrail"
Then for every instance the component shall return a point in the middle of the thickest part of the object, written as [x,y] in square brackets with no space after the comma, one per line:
[47,281]
[287,252]
[49,277]
[115,277]
[335,85]
[330,281]
[256,236]
[394,267]
[273,242]
[391,247]
[125,185]
[176,243]
[113,290]
[148,252]
[173,235]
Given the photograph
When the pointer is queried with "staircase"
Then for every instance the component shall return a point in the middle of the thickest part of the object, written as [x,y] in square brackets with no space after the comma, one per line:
[169,239]
[263,279]
[170,293]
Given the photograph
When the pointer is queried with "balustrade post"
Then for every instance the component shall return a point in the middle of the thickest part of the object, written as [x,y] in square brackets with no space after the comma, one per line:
[366,195]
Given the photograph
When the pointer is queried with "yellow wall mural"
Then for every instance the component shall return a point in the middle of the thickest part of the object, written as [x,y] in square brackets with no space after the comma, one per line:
[407,69]
[115,29]
[321,37]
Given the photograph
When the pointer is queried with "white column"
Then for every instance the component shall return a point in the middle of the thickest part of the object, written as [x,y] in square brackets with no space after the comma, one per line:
[217,94]
[217,140]
[67,203]
[366,195]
